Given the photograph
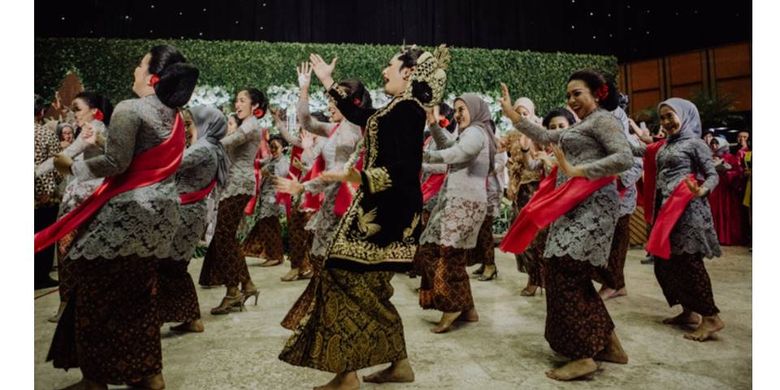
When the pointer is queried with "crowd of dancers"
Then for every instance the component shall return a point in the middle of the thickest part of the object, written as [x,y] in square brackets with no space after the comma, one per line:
[367,192]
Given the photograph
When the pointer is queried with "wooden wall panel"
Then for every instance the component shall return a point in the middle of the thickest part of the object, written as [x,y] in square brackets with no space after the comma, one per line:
[645,99]
[686,68]
[740,89]
[686,91]
[732,61]
[645,75]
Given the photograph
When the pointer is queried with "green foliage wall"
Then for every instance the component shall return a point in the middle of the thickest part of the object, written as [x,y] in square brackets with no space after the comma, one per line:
[106,66]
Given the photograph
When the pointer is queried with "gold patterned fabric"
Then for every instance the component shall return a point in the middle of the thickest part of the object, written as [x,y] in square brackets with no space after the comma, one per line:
[350,325]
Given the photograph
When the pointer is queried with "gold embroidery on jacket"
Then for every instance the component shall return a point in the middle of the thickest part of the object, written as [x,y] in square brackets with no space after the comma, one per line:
[378,179]
[365,222]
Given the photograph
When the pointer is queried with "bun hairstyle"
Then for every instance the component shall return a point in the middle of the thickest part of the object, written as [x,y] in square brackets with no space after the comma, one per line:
[94,100]
[446,111]
[556,113]
[278,138]
[177,76]
[596,83]
[357,93]
[420,90]
[257,97]
[320,116]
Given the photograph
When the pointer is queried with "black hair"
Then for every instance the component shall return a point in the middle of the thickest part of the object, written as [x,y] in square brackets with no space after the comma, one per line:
[177,76]
[357,93]
[408,57]
[446,111]
[39,104]
[556,112]
[279,138]
[595,80]
[320,116]
[100,102]
[256,96]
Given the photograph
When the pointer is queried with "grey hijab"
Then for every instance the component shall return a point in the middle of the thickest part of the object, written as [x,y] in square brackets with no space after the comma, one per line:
[480,117]
[212,126]
[690,123]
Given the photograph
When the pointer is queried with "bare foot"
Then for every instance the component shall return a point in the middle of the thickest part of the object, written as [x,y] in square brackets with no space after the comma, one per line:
[56,318]
[613,352]
[271,263]
[446,322]
[154,382]
[189,327]
[684,318]
[573,370]
[470,315]
[607,293]
[400,372]
[708,327]
[343,381]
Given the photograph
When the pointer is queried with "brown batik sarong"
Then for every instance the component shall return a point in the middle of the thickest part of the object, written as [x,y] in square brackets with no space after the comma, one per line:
[532,260]
[303,303]
[110,328]
[484,252]
[445,284]
[351,325]
[684,280]
[178,300]
[300,239]
[65,273]
[612,275]
[265,240]
[578,325]
[224,262]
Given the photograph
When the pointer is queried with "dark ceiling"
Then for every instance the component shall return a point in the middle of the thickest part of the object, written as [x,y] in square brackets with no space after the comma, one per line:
[630,30]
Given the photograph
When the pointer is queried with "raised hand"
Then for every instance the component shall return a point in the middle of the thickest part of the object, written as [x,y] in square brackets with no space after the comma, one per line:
[506,104]
[307,139]
[62,163]
[279,114]
[564,165]
[288,186]
[322,69]
[304,75]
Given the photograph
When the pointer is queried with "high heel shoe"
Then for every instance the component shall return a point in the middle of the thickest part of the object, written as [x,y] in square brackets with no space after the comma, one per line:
[479,271]
[228,303]
[249,294]
[484,278]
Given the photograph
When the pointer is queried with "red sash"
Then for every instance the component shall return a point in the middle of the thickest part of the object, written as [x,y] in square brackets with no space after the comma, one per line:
[262,152]
[148,167]
[658,243]
[547,205]
[197,196]
[648,200]
[431,186]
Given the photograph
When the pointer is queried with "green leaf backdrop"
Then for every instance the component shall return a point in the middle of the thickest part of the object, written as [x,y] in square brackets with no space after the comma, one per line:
[106,66]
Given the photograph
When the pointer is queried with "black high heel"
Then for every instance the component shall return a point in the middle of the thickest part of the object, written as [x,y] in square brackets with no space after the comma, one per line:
[479,271]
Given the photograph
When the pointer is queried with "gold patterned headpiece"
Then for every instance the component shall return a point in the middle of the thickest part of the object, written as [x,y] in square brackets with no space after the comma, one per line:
[432,70]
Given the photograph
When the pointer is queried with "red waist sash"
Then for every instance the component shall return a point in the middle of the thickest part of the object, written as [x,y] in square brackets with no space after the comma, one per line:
[547,205]
[658,243]
[431,186]
[148,167]
[197,196]
[648,201]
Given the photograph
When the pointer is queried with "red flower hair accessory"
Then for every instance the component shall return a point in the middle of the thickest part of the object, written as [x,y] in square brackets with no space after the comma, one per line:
[356,101]
[154,80]
[258,113]
[602,92]
[98,115]
[444,122]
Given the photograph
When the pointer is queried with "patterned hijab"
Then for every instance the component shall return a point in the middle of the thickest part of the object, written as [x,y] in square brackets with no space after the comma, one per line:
[480,117]
[690,123]
[212,126]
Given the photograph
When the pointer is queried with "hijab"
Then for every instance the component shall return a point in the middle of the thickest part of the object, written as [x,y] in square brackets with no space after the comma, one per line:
[212,126]
[690,123]
[480,117]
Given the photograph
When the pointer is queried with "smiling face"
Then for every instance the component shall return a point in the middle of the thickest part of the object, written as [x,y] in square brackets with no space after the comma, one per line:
[244,106]
[141,76]
[462,115]
[395,77]
[670,122]
[276,148]
[580,99]
[67,135]
[82,112]
[335,114]
[522,111]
